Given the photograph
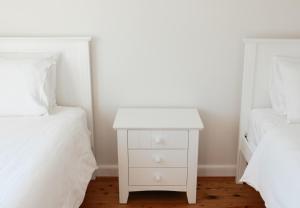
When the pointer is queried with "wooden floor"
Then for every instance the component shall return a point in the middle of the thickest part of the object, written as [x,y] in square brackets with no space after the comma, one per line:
[211,193]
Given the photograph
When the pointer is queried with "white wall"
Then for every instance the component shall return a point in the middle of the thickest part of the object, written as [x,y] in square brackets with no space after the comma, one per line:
[162,53]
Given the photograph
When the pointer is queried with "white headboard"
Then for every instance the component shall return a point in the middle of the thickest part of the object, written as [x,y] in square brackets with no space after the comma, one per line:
[73,67]
[257,72]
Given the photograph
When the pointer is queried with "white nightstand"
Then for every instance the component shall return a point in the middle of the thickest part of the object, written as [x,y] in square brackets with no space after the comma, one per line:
[158,150]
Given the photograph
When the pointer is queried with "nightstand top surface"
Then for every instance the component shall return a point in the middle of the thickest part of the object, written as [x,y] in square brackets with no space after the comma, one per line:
[158,118]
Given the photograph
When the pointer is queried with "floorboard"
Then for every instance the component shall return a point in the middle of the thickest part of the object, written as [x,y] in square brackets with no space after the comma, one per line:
[211,193]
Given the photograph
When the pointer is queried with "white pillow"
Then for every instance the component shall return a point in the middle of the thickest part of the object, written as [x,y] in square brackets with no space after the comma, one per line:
[290,71]
[277,94]
[25,86]
[50,85]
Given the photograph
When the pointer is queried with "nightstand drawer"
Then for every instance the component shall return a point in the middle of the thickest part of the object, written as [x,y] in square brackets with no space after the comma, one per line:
[157,158]
[157,176]
[157,139]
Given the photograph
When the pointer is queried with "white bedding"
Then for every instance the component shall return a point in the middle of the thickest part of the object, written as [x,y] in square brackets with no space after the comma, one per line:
[274,168]
[45,161]
[261,121]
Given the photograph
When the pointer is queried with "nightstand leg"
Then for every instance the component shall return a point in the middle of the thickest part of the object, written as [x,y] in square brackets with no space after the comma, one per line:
[123,166]
[192,166]
[191,196]
[123,196]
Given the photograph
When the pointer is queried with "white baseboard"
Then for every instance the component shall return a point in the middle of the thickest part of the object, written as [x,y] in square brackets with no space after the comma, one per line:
[107,170]
[203,170]
[216,170]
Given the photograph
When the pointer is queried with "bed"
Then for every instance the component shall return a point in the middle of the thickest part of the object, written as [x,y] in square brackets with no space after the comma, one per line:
[48,161]
[269,146]
[261,122]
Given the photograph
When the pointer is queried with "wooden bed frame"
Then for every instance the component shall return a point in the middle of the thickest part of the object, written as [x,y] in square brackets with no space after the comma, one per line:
[73,67]
[258,64]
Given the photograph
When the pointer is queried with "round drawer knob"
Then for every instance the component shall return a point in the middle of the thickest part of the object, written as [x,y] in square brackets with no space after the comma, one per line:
[157,159]
[158,141]
[157,178]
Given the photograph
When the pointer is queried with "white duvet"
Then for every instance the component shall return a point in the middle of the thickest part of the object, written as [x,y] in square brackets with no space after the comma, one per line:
[274,169]
[45,162]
